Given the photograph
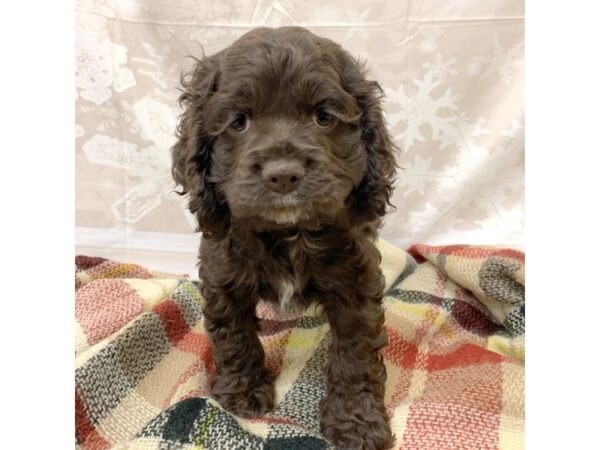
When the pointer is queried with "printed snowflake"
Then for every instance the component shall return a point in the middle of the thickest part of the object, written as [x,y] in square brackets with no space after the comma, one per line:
[423,109]
[452,184]
[464,138]
[492,172]
[151,164]
[505,63]
[416,176]
[441,69]
[484,179]
[98,67]
[480,180]
[157,121]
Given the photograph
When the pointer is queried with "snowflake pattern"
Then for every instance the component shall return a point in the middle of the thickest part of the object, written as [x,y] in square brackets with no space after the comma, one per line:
[422,109]
[484,180]
[151,164]
[462,155]
[440,68]
[505,62]
[99,66]
[416,177]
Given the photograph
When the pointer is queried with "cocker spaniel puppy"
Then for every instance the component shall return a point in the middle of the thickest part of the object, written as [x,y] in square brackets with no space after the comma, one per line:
[284,154]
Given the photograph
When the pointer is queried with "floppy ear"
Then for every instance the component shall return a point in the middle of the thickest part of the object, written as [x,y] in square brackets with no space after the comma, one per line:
[192,153]
[369,200]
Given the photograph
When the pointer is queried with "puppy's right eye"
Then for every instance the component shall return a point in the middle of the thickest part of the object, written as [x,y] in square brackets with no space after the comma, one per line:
[240,122]
[322,118]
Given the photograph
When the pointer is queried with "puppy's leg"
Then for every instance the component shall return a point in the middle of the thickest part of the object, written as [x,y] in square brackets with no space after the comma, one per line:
[353,414]
[242,385]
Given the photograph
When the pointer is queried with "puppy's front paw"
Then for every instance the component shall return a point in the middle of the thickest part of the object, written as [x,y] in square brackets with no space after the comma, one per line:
[242,396]
[356,422]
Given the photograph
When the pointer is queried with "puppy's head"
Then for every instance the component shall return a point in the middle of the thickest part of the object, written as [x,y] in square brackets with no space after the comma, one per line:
[282,129]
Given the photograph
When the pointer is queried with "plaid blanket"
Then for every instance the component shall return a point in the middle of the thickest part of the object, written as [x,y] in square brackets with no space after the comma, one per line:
[455,359]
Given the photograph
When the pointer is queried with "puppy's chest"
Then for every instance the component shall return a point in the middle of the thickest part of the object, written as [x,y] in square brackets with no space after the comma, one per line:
[288,292]
[289,277]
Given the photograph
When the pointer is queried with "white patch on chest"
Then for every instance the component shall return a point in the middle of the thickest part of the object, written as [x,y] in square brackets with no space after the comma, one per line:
[287,289]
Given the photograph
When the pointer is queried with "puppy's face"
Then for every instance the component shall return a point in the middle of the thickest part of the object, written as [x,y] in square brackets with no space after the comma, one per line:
[282,129]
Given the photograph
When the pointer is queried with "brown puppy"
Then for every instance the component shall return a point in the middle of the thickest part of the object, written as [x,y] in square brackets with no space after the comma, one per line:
[284,153]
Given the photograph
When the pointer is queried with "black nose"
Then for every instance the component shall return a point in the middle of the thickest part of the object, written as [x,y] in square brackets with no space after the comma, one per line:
[283,175]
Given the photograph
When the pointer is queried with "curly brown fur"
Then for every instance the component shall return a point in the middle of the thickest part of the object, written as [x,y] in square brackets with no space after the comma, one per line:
[249,110]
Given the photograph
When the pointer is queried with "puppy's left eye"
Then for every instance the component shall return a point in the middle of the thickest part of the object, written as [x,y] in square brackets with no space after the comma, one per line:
[323,119]
[240,122]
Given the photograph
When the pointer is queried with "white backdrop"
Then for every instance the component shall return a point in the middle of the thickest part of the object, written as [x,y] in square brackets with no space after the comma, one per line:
[452,72]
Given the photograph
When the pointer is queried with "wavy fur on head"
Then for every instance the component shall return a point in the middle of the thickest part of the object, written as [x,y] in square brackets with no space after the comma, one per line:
[288,95]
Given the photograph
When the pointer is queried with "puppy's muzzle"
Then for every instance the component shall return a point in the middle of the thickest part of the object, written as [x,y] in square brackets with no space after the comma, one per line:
[283,175]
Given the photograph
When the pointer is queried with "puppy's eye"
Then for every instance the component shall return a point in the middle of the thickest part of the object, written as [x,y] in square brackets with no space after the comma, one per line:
[240,122]
[323,119]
